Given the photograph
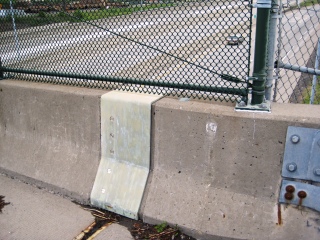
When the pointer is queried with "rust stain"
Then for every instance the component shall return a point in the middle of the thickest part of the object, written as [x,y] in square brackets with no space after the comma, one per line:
[279,215]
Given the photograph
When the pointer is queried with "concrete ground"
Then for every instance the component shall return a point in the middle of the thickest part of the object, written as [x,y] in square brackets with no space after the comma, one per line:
[34,213]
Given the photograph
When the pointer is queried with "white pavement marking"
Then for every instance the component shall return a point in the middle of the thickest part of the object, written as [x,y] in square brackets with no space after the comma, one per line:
[33,51]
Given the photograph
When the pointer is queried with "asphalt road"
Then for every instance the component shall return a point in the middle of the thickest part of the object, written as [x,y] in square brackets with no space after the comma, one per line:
[300,34]
[149,45]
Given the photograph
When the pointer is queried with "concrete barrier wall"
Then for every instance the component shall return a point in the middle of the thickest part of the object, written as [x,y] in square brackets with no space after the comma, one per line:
[215,172]
[50,136]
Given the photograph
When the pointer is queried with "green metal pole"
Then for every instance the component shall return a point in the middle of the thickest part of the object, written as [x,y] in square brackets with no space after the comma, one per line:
[177,85]
[260,54]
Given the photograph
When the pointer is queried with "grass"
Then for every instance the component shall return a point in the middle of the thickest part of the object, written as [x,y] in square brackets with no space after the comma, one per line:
[111,12]
[307,94]
[305,3]
[309,3]
[161,227]
[43,18]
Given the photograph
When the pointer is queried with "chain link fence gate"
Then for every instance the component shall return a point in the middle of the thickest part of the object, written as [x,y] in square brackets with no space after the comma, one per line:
[298,47]
[198,49]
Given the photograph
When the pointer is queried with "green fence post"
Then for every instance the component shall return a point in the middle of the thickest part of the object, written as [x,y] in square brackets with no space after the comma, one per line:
[260,54]
[1,70]
[274,16]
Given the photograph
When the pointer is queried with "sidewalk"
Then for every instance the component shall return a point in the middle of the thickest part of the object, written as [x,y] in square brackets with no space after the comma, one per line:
[37,214]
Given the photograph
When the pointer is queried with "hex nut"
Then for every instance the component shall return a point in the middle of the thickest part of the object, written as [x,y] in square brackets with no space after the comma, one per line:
[291,167]
[316,171]
[264,105]
[242,104]
[295,139]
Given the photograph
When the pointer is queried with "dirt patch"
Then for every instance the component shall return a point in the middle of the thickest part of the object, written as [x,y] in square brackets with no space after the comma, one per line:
[162,231]
[2,203]
[138,229]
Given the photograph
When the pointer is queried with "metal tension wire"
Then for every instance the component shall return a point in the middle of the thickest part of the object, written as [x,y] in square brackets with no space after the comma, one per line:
[223,76]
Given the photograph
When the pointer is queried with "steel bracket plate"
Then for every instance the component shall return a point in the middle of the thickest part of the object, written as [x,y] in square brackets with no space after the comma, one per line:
[264,107]
[302,154]
[300,194]
[262,4]
[125,152]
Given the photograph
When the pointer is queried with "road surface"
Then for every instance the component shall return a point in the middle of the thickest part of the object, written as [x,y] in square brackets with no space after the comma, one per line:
[157,45]
[300,33]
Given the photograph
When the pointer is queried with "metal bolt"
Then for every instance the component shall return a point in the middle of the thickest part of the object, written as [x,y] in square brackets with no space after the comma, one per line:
[316,171]
[290,189]
[302,194]
[295,139]
[288,196]
[263,105]
[242,104]
[291,167]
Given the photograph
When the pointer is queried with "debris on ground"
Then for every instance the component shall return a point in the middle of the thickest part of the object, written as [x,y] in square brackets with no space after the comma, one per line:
[2,203]
[162,231]
[103,219]
[138,229]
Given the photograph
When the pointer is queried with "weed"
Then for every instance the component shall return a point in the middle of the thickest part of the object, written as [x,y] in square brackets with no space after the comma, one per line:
[78,14]
[309,3]
[41,14]
[161,227]
[307,94]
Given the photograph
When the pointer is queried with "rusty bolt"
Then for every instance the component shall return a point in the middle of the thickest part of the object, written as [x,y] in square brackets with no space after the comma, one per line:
[288,196]
[290,189]
[302,194]
[295,138]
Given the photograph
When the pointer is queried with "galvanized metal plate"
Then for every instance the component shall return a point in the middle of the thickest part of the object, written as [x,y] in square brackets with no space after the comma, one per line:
[264,107]
[125,152]
[309,194]
[302,154]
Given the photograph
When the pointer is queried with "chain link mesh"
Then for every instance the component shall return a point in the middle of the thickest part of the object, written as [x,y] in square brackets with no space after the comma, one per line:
[197,49]
[299,33]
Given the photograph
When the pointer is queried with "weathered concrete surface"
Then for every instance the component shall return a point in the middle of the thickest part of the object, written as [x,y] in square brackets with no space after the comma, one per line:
[50,135]
[115,231]
[36,214]
[217,172]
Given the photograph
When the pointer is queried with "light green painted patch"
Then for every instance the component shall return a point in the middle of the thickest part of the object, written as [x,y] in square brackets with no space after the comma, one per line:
[125,152]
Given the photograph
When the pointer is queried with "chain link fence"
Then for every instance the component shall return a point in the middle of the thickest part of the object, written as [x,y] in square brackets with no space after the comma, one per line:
[198,49]
[298,45]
